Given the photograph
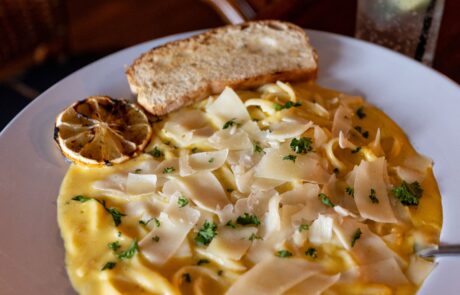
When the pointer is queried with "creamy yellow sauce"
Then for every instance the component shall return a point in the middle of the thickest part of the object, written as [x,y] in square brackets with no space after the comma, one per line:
[87,229]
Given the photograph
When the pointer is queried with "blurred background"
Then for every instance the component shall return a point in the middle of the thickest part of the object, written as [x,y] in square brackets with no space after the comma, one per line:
[42,41]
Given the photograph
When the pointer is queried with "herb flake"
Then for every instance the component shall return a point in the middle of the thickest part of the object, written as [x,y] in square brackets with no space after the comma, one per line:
[203,261]
[168,170]
[350,191]
[287,105]
[130,252]
[182,202]
[109,265]
[312,252]
[206,233]
[290,158]
[302,145]
[81,198]
[114,245]
[373,197]
[408,194]
[356,236]
[325,200]
[229,124]
[248,219]
[360,113]
[283,253]
[304,227]
[156,152]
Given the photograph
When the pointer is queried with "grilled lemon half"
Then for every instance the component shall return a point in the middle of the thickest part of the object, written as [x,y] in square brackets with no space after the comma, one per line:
[100,130]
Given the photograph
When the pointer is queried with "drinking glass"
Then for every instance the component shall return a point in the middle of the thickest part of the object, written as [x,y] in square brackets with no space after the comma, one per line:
[408,26]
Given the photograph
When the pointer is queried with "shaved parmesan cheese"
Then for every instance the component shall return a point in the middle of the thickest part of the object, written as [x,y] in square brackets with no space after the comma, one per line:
[231,138]
[224,262]
[272,220]
[370,176]
[205,190]
[168,168]
[329,148]
[265,105]
[286,87]
[321,230]
[306,167]
[409,175]
[175,224]
[228,106]
[414,169]
[419,269]
[350,99]
[317,109]
[320,137]
[206,161]
[273,276]
[138,184]
[112,186]
[313,285]
[254,132]
[376,146]
[188,127]
[284,130]
[369,248]
[231,243]
[344,143]
[386,271]
[342,120]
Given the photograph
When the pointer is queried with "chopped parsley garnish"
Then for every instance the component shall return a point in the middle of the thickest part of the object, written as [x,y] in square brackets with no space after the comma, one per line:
[186,277]
[290,158]
[167,170]
[355,237]
[116,215]
[182,202]
[157,222]
[229,190]
[247,219]
[258,148]
[350,191]
[220,272]
[287,105]
[325,200]
[194,150]
[137,171]
[302,145]
[356,150]
[156,153]
[156,239]
[114,245]
[408,194]
[283,253]
[311,252]
[365,134]
[130,252]
[81,198]
[109,265]
[211,160]
[229,123]
[230,224]
[360,113]
[203,261]
[206,233]
[336,170]
[253,237]
[145,222]
[303,227]
[373,197]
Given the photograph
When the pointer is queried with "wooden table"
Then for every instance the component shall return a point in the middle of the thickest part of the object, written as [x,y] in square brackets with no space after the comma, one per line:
[108,25]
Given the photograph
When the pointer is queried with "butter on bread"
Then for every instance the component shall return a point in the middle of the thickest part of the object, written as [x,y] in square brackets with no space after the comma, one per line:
[240,56]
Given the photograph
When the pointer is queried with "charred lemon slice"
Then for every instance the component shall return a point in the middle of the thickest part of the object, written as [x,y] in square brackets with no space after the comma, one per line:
[102,131]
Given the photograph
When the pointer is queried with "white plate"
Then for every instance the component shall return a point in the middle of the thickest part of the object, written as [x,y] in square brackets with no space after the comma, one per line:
[425,103]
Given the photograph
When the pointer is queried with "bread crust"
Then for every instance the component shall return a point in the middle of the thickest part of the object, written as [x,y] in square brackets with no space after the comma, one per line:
[211,87]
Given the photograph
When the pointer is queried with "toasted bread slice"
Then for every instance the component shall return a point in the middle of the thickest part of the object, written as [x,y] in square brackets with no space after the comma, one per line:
[240,56]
